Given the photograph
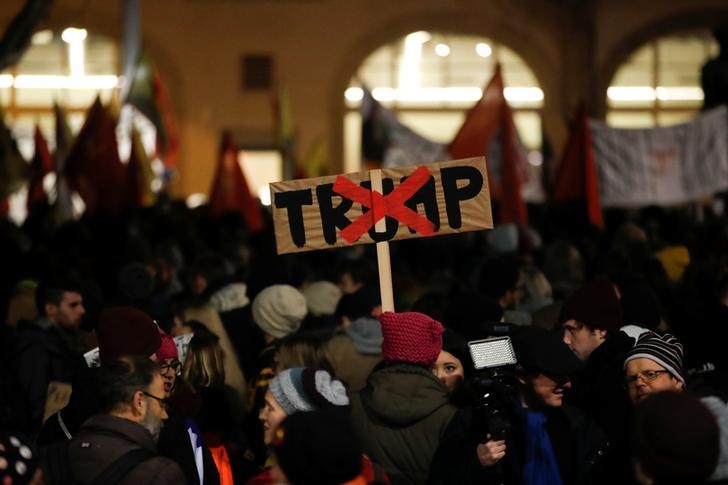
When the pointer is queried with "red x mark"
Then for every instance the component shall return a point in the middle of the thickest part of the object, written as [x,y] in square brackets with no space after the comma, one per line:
[385,205]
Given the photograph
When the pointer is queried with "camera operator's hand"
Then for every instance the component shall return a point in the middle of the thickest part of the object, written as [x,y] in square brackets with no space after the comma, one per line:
[491,452]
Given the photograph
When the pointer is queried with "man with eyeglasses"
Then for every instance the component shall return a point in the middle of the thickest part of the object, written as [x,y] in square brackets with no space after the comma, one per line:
[120,445]
[654,365]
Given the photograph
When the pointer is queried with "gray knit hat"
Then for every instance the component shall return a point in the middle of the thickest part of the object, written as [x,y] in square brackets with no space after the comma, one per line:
[366,334]
[279,310]
[666,350]
[307,389]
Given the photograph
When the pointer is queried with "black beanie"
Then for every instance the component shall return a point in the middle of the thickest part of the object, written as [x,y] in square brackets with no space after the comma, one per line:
[317,448]
[676,438]
[595,305]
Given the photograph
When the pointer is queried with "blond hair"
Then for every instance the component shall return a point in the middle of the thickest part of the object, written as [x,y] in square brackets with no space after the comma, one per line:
[211,319]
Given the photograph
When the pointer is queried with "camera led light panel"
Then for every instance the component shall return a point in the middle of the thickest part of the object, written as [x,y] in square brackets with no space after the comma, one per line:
[492,352]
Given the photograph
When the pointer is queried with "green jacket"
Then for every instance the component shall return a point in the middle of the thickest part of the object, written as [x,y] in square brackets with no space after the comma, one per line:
[400,416]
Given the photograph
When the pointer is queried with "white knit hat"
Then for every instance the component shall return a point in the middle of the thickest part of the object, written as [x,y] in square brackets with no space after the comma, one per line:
[322,297]
[279,310]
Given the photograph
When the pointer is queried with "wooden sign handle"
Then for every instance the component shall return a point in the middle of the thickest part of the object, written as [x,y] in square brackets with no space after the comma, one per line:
[383,261]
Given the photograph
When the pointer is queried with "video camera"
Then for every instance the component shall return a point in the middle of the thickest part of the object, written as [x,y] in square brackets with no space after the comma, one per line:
[494,360]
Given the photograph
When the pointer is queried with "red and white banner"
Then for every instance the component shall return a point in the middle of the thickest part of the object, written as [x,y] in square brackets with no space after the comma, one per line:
[662,166]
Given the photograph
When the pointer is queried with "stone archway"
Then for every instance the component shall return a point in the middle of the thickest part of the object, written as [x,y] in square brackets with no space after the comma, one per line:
[519,33]
[677,21]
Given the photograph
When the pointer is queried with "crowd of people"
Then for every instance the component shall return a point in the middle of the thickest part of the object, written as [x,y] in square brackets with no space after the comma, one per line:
[166,346]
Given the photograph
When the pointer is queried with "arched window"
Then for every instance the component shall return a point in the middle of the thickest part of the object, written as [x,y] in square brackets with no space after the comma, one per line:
[660,82]
[70,67]
[431,79]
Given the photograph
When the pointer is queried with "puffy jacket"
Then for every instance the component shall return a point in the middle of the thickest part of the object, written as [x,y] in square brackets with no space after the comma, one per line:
[400,416]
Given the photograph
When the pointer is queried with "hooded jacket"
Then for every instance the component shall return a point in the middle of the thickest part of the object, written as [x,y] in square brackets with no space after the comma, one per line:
[400,416]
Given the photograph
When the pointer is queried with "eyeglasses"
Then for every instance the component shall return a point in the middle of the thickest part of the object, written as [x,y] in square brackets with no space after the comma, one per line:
[645,375]
[162,402]
[177,366]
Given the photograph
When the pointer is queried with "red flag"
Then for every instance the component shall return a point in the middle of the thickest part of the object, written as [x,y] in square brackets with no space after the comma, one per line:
[577,174]
[487,123]
[230,190]
[93,168]
[168,145]
[40,166]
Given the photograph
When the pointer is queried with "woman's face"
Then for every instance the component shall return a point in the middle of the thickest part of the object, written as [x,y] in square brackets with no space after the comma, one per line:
[169,369]
[449,370]
[271,415]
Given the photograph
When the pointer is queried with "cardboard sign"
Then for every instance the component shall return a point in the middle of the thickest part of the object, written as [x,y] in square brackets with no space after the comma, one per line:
[340,210]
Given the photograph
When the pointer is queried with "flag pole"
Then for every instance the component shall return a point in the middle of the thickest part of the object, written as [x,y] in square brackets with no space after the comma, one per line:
[383,261]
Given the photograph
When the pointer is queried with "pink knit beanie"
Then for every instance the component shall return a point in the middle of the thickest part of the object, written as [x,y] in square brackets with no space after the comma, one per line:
[411,337]
[168,349]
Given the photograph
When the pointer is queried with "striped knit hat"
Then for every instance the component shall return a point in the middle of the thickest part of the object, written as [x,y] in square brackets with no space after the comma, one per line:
[664,349]
[307,389]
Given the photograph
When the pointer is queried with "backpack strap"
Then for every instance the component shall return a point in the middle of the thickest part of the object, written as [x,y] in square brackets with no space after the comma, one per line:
[121,467]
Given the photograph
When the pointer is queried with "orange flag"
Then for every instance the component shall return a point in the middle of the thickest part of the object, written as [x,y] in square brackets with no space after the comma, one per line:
[230,190]
[488,125]
[577,174]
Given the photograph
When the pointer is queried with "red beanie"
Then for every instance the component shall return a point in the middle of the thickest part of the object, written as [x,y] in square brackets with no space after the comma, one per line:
[411,337]
[126,331]
[167,349]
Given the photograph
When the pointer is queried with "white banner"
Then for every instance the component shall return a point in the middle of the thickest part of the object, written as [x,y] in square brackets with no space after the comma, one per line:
[662,166]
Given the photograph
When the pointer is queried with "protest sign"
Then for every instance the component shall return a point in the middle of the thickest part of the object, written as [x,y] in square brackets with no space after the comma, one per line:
[334,211]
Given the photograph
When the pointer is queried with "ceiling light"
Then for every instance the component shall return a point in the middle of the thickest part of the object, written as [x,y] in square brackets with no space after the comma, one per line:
[354,94]
[72,34]
[631,93]
[523,95]
[42,37]
[679,93]
[483,49]
[419,37]
[442,50]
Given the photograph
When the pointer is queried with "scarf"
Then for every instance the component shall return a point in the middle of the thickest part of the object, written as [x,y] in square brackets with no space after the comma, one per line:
[540,467]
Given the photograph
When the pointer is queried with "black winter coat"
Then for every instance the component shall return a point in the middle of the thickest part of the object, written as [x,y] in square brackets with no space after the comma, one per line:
[32,357]
[103,439]
[174,441]
[600,392]
[578,443]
